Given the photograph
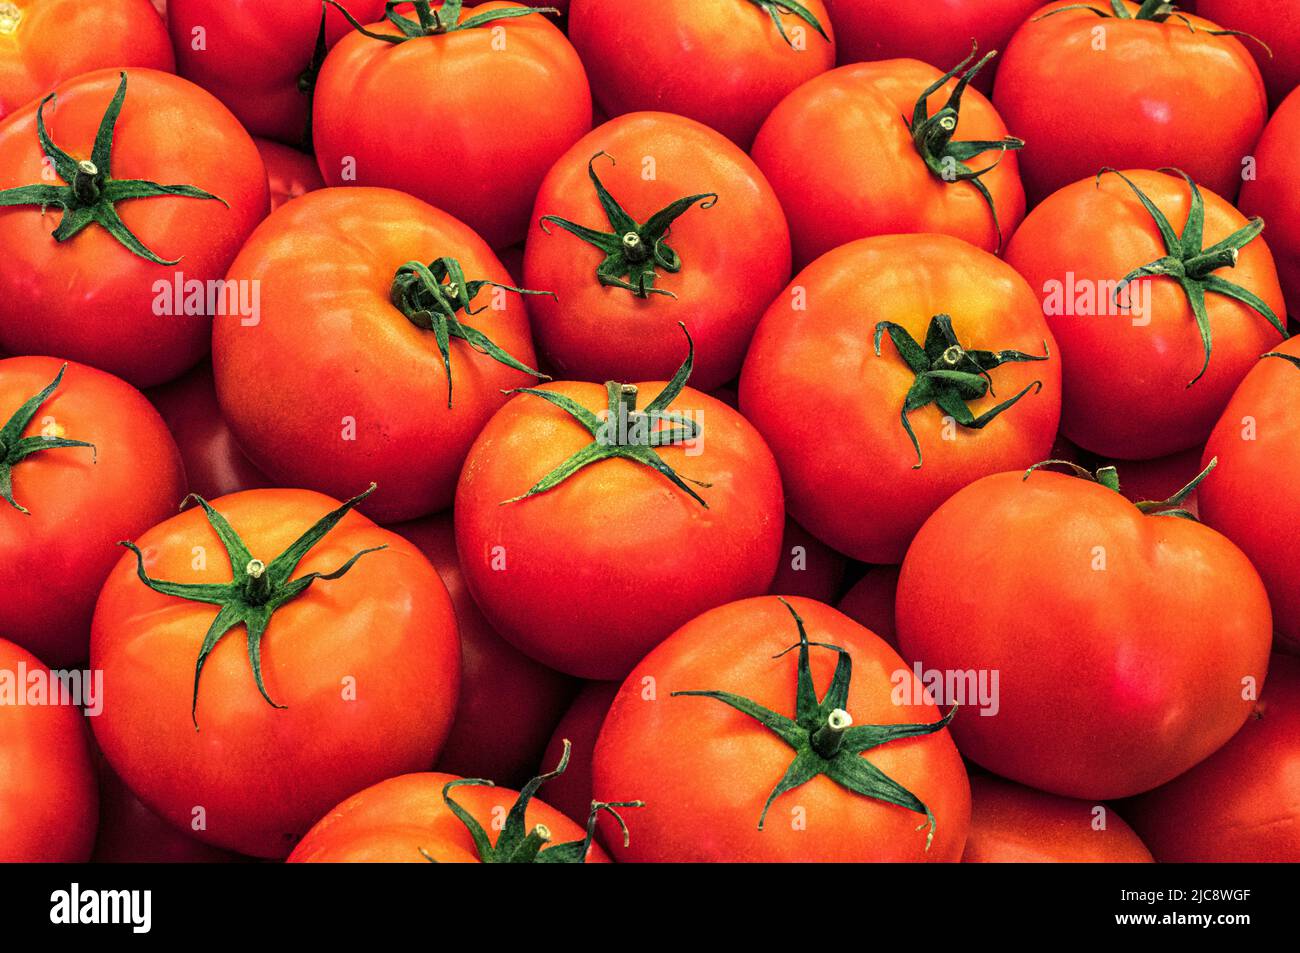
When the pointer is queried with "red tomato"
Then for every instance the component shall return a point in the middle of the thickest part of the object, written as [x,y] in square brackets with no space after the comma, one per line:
[571,792]
[1251,497]
[508,702]
[48,800]
[45,42]
[882,148]
[1271,193]
[111,306]
[1238,805]
[259,57]
[808,567]
[870,602]
[1121,641]
[68,504]
[512,97]
[1175,93]
[1010,824]
[1141,380]
[214,464]
[289,173]
[369,397]
[1276,27]
[719,784]
[642,520]
[725,63]
[361,666]
[622,286]
[827,392]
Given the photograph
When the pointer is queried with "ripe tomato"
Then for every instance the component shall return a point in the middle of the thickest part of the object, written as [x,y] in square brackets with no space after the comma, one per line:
[1176,92]
[571,792]
[1276,27]
[45,42]
[289,173]
[104,300]
[48,800]
[1252,498]
[1238,805]
[725,63]
[870,602]
[350,301]
[642,519]
[353,680]
[1271,193]
[214,464]
[1122,642]
[1011,824]
[260,58]
[1130,350]
[808,567]
[888,147]
[827,393]
[726,780]
[512,97]
[84,462]
[508,703]
[622,286]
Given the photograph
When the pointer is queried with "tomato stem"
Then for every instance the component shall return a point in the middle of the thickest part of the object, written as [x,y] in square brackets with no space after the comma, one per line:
[430,22]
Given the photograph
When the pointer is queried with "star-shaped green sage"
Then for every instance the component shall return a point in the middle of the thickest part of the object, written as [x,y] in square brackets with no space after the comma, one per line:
[431,22]
[774,9]
[15,448]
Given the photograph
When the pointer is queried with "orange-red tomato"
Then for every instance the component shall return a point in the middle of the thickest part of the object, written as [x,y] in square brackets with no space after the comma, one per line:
[1275,29]
[289,173]
[1271,193]
[580,726]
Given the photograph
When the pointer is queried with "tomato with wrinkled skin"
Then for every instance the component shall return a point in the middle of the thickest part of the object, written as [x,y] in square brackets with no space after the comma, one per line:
[840,156]
[45,42]
[1272,194]
[870,602]
[253,54]
[722,63]
[580,726]
[1252,496]
[95,301]
[364,393]
[508,702]
[829,407]
[808,567]
[1173,96]
[80,501]
[48,796]
[1012,824]
[289,173]
[705,769]
[512,96]
[1121,641]
[366,665]
[1127,372]
[1275,28]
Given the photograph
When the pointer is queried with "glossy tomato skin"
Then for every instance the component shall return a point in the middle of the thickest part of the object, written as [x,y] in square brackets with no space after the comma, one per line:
[1121,640]
[48,798]
[391,822]
[81,502]
[705,770]
[1012,824]
[289,173]
[735,255]
[508,703]
[51,41]
[829,407]
[839,155]
[1272,195]
[513,97]
[580,726]
[368,666]
[1276,27]
[633,555]
[170,132]
[1126,392]
[1250,496]
[1238,805]
[1174,97]
[723,64]
[367,396]
[250,54]
[808,567]
[870,602]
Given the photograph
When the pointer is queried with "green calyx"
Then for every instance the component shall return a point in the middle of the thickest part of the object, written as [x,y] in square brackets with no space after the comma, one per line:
[774,9]
[91,193]
[1156,11]
[1192,266]
[15,448]
[948,375]
[1289,358]
[632,251]
[1109,478]
[431,22]
[516,844]
[256,590]
[626,432]
[431,297]
[824,738]
[945,157]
